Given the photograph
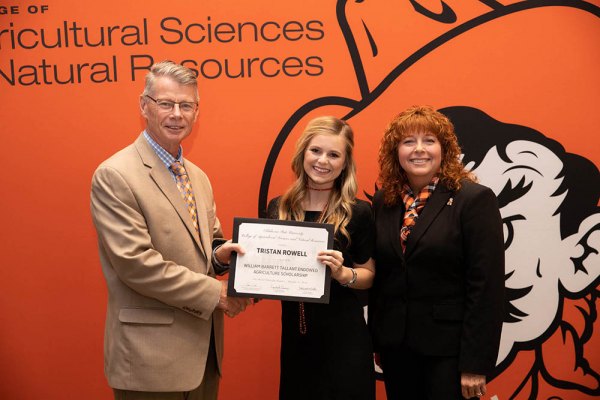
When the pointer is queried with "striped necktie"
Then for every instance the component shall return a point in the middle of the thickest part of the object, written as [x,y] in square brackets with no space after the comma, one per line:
[185,187]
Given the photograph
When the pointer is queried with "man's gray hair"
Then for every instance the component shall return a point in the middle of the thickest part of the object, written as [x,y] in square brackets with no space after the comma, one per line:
[180,74]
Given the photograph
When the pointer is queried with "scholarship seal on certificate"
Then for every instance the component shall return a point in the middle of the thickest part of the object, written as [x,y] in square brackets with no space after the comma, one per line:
[280,260]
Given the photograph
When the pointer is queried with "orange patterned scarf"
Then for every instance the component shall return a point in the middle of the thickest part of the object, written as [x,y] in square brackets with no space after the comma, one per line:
[413,206]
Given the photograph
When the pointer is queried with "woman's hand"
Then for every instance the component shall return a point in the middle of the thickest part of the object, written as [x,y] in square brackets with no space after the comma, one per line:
[344,275]
[472,385]
[335,261]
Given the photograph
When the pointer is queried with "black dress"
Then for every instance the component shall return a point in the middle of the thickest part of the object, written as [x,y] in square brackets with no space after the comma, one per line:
[334,359]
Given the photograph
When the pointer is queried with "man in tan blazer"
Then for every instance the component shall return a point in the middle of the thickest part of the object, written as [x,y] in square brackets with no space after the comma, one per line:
[164,320]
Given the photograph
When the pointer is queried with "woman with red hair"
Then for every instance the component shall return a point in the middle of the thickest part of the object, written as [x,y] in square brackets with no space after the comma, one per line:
[436,303]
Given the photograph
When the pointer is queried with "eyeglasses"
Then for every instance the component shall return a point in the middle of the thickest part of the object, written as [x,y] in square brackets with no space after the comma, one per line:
[168,105]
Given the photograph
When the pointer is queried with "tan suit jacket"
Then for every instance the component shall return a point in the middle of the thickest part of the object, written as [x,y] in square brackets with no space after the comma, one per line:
[162,292]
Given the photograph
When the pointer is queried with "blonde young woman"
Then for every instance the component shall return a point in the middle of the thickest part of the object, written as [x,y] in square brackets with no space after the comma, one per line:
[325,348]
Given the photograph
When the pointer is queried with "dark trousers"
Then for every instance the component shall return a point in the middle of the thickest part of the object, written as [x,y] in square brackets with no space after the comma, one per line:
[410,375]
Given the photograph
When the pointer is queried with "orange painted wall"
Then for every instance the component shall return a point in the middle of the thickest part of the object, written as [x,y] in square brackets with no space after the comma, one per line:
[532,66]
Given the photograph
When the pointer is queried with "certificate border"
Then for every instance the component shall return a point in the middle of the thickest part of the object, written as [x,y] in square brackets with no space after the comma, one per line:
[237,221]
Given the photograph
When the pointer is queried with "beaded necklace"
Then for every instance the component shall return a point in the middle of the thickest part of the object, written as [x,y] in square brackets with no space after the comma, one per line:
[301,311]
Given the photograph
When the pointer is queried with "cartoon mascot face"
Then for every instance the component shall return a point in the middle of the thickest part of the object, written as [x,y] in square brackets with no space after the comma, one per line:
[548,201]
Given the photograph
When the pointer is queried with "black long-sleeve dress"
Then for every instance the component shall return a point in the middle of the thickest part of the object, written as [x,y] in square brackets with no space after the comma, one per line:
[334,359]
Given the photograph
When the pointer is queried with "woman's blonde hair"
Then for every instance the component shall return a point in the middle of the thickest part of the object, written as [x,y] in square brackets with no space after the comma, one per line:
[392,176]
[339,208]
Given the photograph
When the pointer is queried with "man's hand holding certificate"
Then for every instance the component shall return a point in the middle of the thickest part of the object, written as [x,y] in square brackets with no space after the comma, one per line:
[280,260]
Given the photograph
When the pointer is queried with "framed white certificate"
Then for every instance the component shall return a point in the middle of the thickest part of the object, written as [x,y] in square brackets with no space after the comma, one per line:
[280,260]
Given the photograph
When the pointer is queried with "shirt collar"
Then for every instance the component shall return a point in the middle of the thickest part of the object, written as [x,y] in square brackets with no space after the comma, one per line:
[164,155]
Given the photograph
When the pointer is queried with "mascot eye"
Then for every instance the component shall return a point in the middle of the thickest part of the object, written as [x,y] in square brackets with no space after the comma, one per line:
[509,229]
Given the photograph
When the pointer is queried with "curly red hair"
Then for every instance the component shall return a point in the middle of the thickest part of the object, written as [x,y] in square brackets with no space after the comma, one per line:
[419,119]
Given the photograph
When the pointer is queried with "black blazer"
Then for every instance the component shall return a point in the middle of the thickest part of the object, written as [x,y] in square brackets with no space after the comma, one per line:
[445,295]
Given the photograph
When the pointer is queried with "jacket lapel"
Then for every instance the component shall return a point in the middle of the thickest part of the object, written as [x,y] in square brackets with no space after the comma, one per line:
[396,217]
[434,206]
[203,224]
[163,179]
